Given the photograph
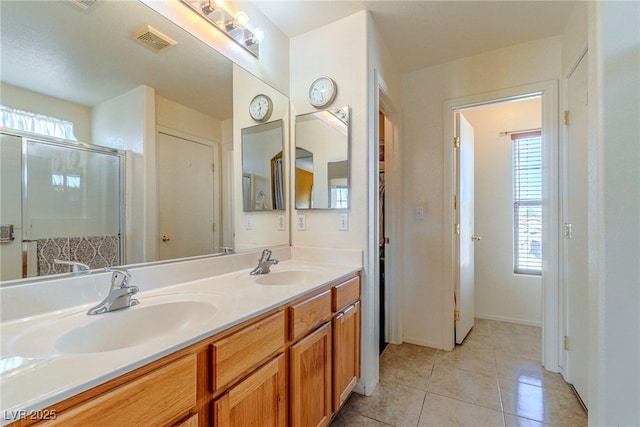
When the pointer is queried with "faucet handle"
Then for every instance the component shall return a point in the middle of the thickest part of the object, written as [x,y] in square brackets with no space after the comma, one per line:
[120,278]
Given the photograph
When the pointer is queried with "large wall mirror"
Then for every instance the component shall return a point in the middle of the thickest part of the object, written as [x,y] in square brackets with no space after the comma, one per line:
[322,160]
[263,174]
[169,110]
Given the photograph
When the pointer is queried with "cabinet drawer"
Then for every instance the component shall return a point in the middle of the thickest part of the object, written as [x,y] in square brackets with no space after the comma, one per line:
[244,350]
[346,293]
[307,315]
[161,397]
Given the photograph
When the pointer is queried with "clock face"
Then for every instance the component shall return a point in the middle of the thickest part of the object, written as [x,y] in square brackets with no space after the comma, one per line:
[322,92]
[260,108]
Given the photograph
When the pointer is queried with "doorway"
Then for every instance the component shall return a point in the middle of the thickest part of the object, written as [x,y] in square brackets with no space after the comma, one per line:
[502,241]
[547,92]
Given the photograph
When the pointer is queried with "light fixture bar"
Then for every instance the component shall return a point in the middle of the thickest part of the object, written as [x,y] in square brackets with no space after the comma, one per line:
[234,26]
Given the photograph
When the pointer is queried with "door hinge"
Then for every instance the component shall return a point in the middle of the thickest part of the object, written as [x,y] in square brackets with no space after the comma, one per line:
[456,229]
[213,167]
[566,343]
[455,201]
[213,227]
[456,142]
[566,117]
[568,230]
[456,315]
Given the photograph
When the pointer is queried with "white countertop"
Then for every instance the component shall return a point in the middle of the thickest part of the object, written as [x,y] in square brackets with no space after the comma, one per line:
[35,375]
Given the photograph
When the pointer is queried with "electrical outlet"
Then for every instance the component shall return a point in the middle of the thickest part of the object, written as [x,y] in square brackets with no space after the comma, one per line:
[248,225]
[343,224]
[281,223]
[302,222]
[420,213]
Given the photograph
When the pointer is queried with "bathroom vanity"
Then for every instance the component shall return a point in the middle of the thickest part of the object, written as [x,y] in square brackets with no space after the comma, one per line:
[276,349]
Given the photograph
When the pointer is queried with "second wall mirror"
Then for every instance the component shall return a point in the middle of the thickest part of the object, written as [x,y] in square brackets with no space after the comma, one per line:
[322,159]
[263,167]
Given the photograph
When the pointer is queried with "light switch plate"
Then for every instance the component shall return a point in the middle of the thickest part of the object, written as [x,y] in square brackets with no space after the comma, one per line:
[248,225]
[343,224]
[281,223]
[420,213]
[302,222]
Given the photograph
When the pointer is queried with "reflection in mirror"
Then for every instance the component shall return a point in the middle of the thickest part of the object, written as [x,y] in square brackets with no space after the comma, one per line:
[322,160]
[84,67]
[263,167]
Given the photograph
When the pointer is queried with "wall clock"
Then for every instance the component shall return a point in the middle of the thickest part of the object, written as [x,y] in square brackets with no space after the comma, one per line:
[322,92]
[260,108]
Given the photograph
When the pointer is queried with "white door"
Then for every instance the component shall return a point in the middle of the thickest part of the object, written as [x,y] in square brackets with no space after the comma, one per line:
[576,230]
[185,197]
[465,277]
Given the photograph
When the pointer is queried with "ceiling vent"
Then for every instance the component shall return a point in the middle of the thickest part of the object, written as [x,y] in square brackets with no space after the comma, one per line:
[83,4]
[153,38]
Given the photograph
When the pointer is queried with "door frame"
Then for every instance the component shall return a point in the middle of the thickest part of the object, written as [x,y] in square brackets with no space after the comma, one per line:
[393,214]
[548,91]
[564,362]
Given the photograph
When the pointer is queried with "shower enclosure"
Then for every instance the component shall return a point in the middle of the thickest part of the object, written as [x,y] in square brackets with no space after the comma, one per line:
[58,201]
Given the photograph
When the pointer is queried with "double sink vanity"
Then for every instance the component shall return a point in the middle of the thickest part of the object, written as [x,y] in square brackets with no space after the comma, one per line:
[208,343]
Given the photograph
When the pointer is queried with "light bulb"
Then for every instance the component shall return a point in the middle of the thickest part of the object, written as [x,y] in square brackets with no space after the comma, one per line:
[241,19]
[258,35]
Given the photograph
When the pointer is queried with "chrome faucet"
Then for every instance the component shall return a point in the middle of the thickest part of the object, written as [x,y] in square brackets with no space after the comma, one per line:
[76,267]
[265,263]
[119,295]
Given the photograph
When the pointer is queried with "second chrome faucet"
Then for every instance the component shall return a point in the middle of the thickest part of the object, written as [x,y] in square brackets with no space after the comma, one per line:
[265,263]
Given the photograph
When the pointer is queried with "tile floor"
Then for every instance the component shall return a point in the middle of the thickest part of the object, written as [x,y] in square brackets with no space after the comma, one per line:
[493,379]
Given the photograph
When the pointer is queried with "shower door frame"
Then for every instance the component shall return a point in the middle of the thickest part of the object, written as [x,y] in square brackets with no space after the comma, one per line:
[75,145]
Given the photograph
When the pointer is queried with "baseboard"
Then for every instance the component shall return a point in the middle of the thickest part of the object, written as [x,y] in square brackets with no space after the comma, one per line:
[509,320]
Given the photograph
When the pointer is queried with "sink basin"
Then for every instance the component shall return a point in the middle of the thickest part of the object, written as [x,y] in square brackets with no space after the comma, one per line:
[288,277]
[127,328]
[78,333]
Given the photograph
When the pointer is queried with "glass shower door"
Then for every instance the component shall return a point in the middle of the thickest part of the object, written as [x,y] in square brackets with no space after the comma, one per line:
[72,199]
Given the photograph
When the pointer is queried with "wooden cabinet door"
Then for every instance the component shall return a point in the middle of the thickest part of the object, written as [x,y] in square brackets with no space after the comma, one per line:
[259,400]
[310,379]
[346,353]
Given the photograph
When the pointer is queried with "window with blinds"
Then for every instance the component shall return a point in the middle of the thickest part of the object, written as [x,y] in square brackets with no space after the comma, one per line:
[527,202]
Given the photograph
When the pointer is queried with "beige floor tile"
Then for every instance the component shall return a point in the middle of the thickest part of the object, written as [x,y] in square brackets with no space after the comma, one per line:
[471,387]
[528,371]
[513,421]
[393,404]
[546,405]
[347,418]
[440,411]
[408,365]
[469,359]
[494,378]
[518,346]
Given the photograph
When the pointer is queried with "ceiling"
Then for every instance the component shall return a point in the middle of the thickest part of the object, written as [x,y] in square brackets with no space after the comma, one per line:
[87,57]
[422,33]
[53,48]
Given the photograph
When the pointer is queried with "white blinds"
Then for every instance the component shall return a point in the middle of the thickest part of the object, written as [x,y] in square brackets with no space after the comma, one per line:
[527,202]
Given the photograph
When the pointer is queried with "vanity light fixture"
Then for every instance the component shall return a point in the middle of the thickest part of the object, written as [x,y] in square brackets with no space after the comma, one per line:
[234,25]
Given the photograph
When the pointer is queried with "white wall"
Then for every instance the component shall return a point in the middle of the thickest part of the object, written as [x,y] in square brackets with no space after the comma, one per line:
[23,99]
[127,122]
[423,95]
[499,293]
[614,209]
